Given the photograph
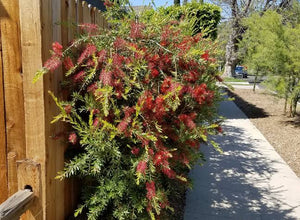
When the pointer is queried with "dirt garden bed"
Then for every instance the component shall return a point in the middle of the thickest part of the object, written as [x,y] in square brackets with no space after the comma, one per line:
[266,113]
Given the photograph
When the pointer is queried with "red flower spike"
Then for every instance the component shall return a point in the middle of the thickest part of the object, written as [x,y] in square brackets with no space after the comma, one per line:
[169,173]
[92,88]
[53,63]
[150,187]
[141,167]
[68,63]
[68,109]
[89,51]
[108,3]
[135,151]
[106,77]
[136,30]
[187,121]
[205,56]
[89,28]
[150,151]
[96,122]
[122,126]
[164,88]
[73,138]
[101,56]
[154,73]
[57,49]
[120,43]
[79,77]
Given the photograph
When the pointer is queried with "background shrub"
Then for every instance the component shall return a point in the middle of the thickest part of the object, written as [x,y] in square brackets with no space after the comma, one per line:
[199,18]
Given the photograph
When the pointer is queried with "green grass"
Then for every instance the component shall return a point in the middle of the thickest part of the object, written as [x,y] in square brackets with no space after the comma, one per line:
[231,79]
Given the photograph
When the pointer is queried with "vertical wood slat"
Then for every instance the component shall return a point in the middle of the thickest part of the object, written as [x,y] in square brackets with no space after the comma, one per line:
[3,159]
[31,44]
[79,14]
[14,107]
[86,12]
[71,18]
[56,148]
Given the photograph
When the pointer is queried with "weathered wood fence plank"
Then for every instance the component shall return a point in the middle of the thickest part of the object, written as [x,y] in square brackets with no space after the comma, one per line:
[28,29]
[16,205]
[3,165]
[14,107]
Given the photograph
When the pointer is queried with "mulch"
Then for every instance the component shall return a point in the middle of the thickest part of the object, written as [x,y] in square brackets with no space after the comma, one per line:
[266,112]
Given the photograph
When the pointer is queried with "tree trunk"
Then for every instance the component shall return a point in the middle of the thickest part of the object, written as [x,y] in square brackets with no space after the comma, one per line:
[255,80]
[232,44]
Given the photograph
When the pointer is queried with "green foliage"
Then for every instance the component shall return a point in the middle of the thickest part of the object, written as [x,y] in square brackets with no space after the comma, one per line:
[272,47]
[196,17]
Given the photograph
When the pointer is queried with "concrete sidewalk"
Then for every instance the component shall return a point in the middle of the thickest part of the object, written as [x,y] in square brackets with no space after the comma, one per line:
[248,181]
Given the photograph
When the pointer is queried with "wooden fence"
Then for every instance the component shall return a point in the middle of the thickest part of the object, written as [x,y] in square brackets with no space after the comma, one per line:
[28,154]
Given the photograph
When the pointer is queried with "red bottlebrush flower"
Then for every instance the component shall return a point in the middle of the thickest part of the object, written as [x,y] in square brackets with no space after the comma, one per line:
[122,126]
[68,63]
[192,76]
[160,158]
[193,144]
[79,77]
[135,151]
[147,100]
[136,30]
[202,95]
[141,167]
[68,109]
[150,151]
[96,122]
[57,49]
[187,121]
[154,73]
[184,159]
[73,138]
[89,28]
[219,129]
[108,3]
[169,173]
[118,60]
[128,111]
[120,43]
[106,77]
[164,88]
[101,56]
[52,63]
[150,187]
[205,56]
[92,88]
[89,51]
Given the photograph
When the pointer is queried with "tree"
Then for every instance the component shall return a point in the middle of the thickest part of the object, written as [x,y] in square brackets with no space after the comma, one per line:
[239,9]
[272,44]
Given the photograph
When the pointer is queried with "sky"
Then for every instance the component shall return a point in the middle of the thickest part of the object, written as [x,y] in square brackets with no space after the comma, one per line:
[157,2]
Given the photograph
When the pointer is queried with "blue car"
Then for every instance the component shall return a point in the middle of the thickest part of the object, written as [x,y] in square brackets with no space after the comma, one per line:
[240,71]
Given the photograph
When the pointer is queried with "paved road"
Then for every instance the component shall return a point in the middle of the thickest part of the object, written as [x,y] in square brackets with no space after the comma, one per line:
[248,181]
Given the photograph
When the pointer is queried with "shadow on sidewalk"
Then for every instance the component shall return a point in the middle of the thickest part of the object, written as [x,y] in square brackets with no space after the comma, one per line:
[236,184]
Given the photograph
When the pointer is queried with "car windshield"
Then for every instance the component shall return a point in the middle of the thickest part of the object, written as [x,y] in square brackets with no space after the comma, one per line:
[239,68]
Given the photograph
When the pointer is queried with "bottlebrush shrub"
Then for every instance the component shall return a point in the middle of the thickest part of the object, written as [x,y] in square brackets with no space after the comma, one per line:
[141,100]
